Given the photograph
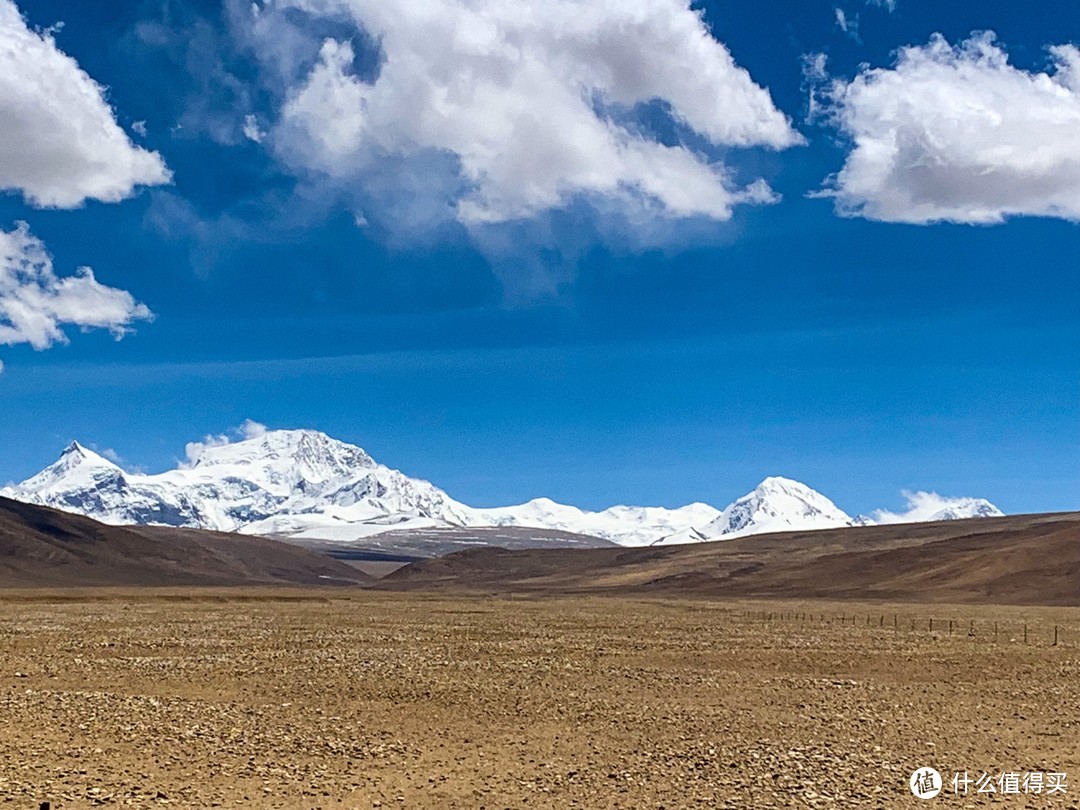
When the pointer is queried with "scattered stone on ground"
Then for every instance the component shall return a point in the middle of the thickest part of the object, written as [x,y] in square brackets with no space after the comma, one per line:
[389,700]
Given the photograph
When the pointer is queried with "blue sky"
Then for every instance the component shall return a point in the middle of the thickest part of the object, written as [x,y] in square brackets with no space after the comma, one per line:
[639,340]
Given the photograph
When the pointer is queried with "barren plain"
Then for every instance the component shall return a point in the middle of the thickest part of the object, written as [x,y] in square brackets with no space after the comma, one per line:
[295,698]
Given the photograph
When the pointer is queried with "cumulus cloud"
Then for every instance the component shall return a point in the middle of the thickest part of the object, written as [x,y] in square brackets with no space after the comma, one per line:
[956,133]
[36,304]
[928,506]
[509,109]
[248,429]
[62,144]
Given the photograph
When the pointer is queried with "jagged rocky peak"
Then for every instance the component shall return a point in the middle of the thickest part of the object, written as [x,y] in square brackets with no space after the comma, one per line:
[75,453]
[306,455]
[76,464]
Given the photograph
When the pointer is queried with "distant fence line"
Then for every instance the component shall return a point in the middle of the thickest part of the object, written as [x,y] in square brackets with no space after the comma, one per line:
[973,628]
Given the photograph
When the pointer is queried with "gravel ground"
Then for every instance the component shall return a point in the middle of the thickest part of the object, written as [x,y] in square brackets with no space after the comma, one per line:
[386,700]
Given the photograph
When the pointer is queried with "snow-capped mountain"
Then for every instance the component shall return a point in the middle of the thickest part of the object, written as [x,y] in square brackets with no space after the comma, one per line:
[304,485]
[969,508]
[625,525]
[777,505]
[260,485]
[923,507]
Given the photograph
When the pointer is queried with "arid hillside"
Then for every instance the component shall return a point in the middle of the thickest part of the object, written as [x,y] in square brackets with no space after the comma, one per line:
[1020,560]
[44,547]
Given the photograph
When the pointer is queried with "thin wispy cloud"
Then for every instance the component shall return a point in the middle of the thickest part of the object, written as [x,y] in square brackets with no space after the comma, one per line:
[251,129]
[848,24]
[888,5]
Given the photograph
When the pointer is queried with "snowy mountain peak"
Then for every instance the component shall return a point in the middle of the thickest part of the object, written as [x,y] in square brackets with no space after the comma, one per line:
[777,504]
[77,470]
[975,508]
[281,477]
[969,508]
[929,506]
[542,503]
[283,461]
[75,462]
[304,447]
[778,485]
[75,453]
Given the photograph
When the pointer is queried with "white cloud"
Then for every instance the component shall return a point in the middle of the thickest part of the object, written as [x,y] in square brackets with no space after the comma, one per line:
[849,25]
[194,450]
[251,129]
[61,142]
[927,506]
[512,108]
[815,66]
[888,5]
[35,303]
[108,453]
[958,134]
[248,429]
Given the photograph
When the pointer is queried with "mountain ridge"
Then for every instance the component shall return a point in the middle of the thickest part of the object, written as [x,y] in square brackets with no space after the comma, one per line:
[305,485]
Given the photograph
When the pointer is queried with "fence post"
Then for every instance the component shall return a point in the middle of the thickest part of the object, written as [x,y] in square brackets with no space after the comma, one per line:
[1055,635]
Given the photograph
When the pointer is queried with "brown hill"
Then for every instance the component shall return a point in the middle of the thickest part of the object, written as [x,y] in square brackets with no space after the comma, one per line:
[1031,559]
[46,547]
